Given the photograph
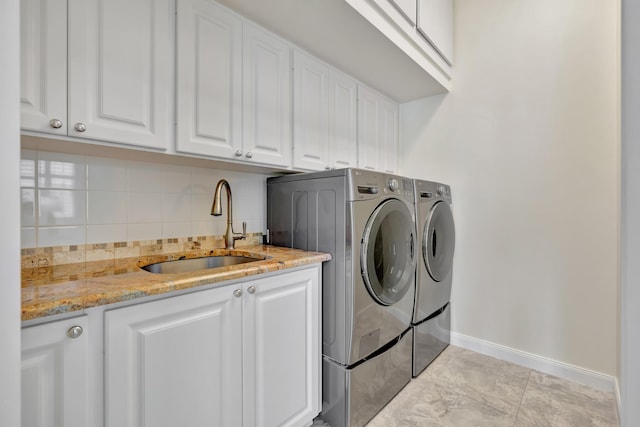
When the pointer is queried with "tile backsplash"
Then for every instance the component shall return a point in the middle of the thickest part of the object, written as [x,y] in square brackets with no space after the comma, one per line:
[70,199]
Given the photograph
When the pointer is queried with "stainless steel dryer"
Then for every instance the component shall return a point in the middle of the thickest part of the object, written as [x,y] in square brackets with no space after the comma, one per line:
[365,220]
[436,233]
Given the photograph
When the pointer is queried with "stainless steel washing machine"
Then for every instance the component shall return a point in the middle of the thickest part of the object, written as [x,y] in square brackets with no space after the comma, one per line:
[365,220]
[431,321]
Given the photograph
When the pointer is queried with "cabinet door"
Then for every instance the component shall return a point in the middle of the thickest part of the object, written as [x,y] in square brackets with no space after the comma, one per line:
[369,138]
[43,65]
[310,121]
[266,132]
[54,375]
[120,68]
[389,134]
[209,80]
[175,362]
[282,350]
[435,23]
[407,8]
[343,122]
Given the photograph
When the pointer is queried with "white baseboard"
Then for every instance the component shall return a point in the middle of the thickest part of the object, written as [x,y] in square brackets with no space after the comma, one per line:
[539,363]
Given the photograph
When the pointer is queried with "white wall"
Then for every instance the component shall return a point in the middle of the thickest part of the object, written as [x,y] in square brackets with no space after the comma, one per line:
[528,140]
[630,295]
[70,199]
[10,219]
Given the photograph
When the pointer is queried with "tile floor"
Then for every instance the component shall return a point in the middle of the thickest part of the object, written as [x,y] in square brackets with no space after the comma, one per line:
[466,389]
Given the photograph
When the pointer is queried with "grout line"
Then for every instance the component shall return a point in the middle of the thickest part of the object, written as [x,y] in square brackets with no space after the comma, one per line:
[522,398]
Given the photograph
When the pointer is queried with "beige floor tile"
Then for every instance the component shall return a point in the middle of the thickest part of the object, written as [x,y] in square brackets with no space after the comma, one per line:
[432,405]
[553,402]
[466,389]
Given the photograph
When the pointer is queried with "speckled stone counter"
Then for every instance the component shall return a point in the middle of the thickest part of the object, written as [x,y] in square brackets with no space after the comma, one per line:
[52,290]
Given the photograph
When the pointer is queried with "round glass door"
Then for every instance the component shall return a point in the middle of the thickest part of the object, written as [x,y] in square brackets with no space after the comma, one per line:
[387,258]
[438,241]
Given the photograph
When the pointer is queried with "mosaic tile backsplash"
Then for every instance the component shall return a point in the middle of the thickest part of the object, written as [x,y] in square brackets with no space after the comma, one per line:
[95,204]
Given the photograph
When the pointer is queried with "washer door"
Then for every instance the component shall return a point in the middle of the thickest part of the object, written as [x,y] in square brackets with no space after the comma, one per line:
[438,241]
[387,254]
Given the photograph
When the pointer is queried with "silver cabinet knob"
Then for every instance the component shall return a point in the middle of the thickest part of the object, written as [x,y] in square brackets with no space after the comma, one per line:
[238,153]
[249,155]
[74,331]
[251,289]
[328,167]
[80,127]
[55,123]
[237,293]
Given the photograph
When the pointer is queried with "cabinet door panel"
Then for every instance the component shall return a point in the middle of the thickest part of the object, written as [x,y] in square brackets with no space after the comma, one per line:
[267,98]
[310,122]
[43,65]
[435,23]
[343,135]
[54,375]
[369,138]
[175,362]
[209,57]
[120,70]
[282,350]
[389,133]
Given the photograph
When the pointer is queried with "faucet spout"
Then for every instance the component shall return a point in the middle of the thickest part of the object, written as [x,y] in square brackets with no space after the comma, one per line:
[230,236]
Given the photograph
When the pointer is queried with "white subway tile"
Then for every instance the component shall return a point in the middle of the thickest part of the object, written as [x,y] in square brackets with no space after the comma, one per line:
[176,229]
[28,237]
[176,207]
[148,231]
[106,233]
[59,236]
[144,177]
[176,179]
[27,207]
[62,207]
[144,207]
[106,174]
[205,228]
[62,171]
[106,207]
[28,162]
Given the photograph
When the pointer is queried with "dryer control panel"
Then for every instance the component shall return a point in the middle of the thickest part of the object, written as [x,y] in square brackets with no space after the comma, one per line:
[369,184]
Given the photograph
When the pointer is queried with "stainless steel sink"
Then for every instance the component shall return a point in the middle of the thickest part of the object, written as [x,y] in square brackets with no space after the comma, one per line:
[195,264]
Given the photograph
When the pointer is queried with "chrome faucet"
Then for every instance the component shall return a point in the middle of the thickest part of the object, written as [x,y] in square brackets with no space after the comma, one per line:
[230,236]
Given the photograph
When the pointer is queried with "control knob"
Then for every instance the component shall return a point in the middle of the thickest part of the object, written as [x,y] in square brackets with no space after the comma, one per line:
[442,190]
[393,184]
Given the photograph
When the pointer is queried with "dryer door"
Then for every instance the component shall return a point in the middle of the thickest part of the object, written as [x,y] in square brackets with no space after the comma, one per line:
[438,241]
[387,254]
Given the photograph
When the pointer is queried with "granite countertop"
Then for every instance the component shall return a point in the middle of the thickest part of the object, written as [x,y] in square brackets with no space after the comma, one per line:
[48,291]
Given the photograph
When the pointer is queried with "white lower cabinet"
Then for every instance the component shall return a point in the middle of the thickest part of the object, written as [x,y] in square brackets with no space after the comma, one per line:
[55,363]
[239,355]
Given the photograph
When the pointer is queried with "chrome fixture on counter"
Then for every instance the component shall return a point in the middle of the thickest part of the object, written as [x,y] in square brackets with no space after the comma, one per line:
[230,236]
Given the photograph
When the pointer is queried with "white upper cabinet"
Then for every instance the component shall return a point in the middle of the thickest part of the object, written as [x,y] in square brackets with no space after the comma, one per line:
[209,79]
[324,116]
[118,66]
[43,64]
[343,120]
[407,8]
[310,113]
[120,63]
[435,22]
[377,131]
[55,366]
[266,107]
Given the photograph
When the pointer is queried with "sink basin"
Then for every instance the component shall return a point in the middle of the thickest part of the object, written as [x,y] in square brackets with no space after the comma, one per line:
[195,264]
